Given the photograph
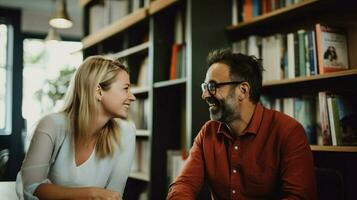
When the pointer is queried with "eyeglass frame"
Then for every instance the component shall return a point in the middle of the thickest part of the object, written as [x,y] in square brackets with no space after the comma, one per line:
[205,86]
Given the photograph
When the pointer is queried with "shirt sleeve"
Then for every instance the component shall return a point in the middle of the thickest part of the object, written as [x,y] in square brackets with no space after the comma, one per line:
[35,166]
[189,182]
[297,168]
[124,159]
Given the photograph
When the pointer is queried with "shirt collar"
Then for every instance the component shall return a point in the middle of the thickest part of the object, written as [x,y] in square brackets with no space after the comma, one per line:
[256,120]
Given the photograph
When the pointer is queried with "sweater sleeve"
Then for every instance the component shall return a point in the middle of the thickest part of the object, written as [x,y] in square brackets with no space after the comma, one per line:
[35,167]
[124,158]
[297,169]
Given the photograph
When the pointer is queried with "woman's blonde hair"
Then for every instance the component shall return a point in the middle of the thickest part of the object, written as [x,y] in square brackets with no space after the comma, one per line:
[81,105]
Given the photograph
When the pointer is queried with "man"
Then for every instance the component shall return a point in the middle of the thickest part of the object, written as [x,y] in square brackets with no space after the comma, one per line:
[245,151]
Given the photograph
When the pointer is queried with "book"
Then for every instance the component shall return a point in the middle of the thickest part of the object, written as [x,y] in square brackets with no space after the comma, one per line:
[290,72]
[311,49]
[303,112]
[143,75]
[324,119]
[117,9]
[333,120]
[301,52]
[175,50]
[346,111]
[332,50]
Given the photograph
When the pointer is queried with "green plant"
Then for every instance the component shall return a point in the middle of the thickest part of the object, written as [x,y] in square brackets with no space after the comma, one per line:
[56,89]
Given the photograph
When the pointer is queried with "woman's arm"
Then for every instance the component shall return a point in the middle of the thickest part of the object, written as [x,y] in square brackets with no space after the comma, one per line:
[51,191]
[124,158]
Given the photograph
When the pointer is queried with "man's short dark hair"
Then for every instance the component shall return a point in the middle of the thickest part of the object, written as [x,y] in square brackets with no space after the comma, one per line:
[242,68]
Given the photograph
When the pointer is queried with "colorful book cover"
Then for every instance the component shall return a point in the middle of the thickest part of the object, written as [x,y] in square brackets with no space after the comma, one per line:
[332,48]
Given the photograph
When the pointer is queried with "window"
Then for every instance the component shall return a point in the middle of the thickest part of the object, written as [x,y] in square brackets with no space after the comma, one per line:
[5,79]
[45,64]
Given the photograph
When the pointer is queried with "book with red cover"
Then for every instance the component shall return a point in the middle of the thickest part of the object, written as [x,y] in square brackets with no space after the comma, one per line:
[175,49]
[332,50]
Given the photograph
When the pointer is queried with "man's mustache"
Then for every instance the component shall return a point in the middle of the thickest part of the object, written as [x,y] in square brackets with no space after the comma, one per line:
[212,100]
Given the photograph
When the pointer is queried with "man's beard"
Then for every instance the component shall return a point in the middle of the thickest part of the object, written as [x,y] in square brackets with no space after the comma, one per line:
[221,111]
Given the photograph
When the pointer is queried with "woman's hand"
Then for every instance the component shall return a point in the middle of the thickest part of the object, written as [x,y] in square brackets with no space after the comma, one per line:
[100,193]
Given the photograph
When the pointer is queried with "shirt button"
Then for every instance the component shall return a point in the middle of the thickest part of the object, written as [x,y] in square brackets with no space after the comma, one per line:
[233,191]
[234,171]
[236,147]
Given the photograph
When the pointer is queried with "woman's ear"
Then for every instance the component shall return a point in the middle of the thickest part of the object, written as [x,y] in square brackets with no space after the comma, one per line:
[98,93]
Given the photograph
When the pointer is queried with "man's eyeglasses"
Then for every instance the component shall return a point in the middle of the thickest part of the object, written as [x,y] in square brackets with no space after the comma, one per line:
[212,86]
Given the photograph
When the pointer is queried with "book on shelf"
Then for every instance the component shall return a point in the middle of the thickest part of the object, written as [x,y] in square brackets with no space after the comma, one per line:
[284,56]
[304,112]
[246,10]
[311,61]
[143,75]
[332,48]
[139,112]
[178,49]
[324,119]
[117,9]
[342,110]
[137,4]
[272,55]
[290,68]
[141,161]
[98,18]
[176,62]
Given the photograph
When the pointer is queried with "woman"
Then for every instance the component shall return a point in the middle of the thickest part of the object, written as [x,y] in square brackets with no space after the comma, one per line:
[82,152]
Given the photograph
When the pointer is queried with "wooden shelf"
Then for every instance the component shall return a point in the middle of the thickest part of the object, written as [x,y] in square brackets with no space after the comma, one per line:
[115,28]
[139,176]
[140,90]
[351,72]
[169,83]
[142,133]
[132,50]
[351,149]
[125,22]
[158,5]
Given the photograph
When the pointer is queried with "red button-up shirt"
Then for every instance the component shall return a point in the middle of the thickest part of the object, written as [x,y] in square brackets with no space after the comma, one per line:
[270,160]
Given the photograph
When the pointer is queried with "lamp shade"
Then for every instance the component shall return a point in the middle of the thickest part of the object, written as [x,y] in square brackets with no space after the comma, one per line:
[60,18]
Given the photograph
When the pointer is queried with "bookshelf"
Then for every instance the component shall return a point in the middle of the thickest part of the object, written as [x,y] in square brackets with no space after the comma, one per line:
[174,104]
[304,15]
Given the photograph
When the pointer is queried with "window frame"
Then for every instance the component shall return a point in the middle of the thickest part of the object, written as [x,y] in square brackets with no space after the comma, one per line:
[7,130]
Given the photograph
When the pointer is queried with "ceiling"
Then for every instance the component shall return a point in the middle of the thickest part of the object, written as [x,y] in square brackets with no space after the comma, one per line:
[40,11]
[42,5]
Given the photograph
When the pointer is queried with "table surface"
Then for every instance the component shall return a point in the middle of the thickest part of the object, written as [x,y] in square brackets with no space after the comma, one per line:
[7,191]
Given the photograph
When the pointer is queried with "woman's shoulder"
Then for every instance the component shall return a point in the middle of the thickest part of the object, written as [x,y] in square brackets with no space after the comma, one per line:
[53,124]
[54,119]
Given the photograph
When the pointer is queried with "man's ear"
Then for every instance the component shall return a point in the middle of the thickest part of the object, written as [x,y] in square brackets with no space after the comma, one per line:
[244,89]
[98,93]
